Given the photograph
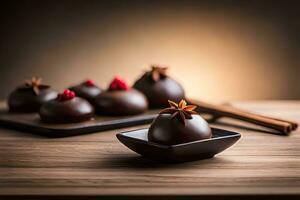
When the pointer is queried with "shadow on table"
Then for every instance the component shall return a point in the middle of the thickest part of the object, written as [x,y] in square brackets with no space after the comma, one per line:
[139,162]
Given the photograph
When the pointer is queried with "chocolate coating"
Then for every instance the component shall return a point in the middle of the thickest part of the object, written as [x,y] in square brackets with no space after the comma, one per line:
[159,92]
[121,102]
[73,110]
[170,131]
[25,100]
[87,92]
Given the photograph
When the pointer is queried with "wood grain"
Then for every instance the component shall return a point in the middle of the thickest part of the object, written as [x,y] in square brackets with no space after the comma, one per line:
[98,165]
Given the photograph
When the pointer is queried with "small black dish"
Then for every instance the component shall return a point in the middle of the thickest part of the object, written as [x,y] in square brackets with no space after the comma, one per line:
[137,141]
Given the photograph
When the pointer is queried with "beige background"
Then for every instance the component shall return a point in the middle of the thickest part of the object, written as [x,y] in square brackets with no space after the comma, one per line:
[218,52]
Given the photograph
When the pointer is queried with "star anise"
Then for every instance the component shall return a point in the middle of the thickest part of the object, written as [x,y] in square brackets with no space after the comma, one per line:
[35,84]
[158,72]
[181,110]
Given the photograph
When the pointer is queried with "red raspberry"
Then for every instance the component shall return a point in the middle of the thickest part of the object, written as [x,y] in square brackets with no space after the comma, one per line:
[66,95]
[118,84]
[89,83]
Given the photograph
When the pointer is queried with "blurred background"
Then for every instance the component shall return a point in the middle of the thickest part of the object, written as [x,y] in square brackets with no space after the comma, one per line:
[219,50]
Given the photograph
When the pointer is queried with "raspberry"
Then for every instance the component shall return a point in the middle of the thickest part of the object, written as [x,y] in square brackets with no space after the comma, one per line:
[66,95]
[89,83]
[118,84]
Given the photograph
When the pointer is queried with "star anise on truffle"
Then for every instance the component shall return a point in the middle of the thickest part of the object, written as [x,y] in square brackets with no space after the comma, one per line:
[35,84]
[158,72]
[181,110]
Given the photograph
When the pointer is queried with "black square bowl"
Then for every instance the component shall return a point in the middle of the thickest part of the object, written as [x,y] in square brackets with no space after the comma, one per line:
[137,141]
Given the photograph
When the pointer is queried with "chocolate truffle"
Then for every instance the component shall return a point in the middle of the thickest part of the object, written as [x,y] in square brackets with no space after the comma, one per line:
[66,108]
[178,124]
[87,90]
[119,100]
[159,88]
[30,96]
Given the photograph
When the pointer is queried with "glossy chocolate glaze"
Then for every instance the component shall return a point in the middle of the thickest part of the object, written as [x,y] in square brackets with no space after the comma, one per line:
[121,102]
[87,92]
[170,131]
[25,100]
[159,92]
[68,111]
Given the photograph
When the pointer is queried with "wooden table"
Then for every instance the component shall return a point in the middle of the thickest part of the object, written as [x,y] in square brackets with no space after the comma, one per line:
[97,165]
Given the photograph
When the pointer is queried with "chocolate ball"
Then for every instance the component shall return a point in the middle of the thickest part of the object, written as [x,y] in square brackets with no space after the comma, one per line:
[158,92]
[87,90]
[72,110]
[169,130]
[26,100]
[121,102]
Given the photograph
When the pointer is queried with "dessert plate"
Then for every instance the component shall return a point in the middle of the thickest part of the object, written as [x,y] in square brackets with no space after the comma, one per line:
[137,141]
[32,123]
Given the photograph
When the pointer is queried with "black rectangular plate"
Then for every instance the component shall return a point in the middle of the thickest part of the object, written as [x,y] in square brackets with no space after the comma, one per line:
[32,123]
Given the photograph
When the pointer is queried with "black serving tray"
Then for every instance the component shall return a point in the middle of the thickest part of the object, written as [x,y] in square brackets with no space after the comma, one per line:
[137,141]
[31,123]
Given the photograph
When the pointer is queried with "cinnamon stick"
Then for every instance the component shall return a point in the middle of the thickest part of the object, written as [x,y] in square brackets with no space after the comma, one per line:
[283,126]
[293,124]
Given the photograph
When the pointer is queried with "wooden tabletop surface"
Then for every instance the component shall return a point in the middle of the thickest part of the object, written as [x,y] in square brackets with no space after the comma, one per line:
[96,164]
